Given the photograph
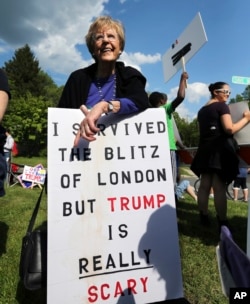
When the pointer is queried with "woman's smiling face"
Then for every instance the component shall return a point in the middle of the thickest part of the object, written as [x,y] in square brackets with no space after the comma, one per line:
[106,45]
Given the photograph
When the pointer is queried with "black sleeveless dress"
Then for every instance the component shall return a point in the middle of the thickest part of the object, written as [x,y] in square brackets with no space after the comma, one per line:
[217,151]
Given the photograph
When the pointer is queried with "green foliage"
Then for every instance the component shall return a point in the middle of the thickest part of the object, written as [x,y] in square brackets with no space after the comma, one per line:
[51,91]
[189,131]
[244,96]
[23,73]
[238,98]
[192,134]
[26,117]
[246,93]
[32,92]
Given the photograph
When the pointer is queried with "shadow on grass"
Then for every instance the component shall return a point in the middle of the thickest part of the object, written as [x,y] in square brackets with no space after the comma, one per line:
[3,237]
[24,296]
[239,229]
[189,225]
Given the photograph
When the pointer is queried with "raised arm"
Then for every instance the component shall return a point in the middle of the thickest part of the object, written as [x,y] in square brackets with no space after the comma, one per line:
[181,91]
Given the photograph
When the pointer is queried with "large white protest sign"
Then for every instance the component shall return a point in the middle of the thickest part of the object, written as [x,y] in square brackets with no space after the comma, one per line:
[112,229]
[190,41]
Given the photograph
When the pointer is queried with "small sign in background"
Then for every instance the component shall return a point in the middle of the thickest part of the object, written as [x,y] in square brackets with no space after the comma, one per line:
[32,176]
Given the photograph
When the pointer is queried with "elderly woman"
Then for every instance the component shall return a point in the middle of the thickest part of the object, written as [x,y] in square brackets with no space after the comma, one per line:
[107,85]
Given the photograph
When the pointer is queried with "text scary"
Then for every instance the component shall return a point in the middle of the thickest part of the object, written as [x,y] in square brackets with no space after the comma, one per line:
[106,291]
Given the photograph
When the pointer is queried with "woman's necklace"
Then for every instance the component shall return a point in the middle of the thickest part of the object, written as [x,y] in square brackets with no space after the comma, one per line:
[100,85]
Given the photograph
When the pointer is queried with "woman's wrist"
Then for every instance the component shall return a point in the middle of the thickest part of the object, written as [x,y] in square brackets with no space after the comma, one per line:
[112,106]
[116,105]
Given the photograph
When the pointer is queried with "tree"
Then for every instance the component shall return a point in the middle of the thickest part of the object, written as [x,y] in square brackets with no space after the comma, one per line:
[238,98]
[246,93]
[243,96]
[51,91]
[188,131]
[32,92]
[192,135]
[23,71]
[29,129]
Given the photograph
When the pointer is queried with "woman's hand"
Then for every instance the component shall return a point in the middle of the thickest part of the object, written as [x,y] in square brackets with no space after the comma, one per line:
[88,128]
[246,114]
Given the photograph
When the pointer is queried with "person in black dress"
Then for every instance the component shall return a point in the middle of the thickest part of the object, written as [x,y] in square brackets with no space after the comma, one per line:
[216,161]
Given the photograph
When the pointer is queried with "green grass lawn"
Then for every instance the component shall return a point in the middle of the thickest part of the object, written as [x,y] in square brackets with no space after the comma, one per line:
[30,161]
[197,245]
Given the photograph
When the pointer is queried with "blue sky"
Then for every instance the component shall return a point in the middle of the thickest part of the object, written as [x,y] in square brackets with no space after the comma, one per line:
[55,31]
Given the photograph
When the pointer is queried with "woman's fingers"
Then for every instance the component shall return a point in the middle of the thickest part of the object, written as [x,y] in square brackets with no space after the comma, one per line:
[77,138]
[88,128]
[84,109]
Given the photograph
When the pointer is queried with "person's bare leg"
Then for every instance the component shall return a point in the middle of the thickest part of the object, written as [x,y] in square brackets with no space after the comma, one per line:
[211,195]
[235,192]
[190,190]
[245,192]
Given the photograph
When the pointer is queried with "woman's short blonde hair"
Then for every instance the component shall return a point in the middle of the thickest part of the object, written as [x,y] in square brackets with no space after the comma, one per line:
[104,23]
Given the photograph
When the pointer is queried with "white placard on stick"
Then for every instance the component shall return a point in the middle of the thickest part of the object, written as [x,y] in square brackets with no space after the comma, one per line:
[112,228]
[184,48]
